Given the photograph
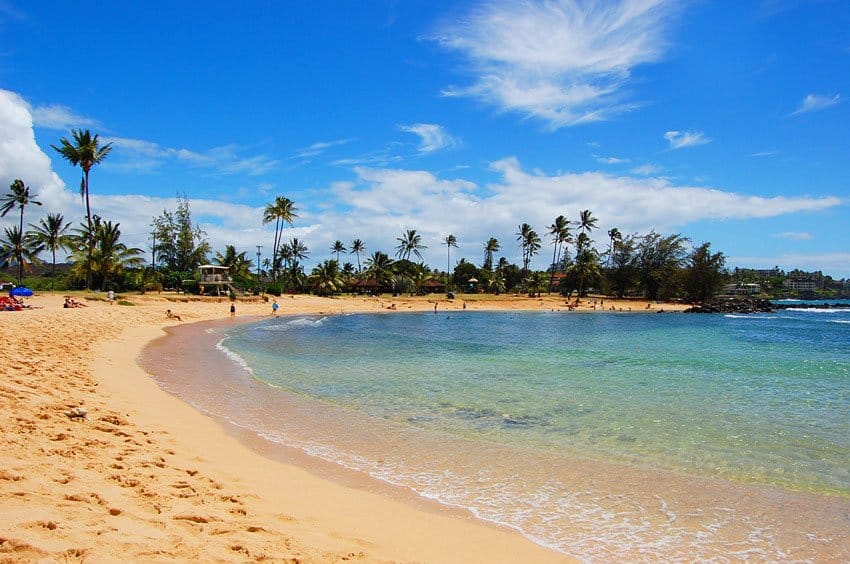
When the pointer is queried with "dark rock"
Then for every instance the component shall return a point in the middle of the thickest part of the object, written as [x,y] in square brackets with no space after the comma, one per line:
[733,305]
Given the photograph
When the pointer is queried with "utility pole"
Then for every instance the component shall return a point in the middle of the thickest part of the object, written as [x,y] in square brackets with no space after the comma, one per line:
[258,262]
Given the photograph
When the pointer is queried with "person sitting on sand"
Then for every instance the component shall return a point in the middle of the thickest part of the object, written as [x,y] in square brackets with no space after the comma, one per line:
[170,315]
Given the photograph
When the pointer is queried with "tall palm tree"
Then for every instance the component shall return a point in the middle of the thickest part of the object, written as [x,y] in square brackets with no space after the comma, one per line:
[530,243]
[337,248]
[560,232]
[18,195]
[490,247]
[294,251]
[50,233]
[450,241]
[586,222]
[409,242]
[281,211]
[16,249]
[85,152]
[614,235]
[357,247]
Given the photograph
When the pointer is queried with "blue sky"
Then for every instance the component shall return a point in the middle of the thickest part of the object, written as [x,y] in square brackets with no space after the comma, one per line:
[723,121]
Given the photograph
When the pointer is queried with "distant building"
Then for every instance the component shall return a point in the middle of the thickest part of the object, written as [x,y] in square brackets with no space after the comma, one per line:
[742,289]
[801,284]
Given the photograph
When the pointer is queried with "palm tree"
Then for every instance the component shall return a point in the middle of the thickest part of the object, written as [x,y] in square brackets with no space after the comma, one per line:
[238,264]
[530,243]
[19,195]
[450,241]
[337,248]
[560,232]
[614,235]
[380,267]
[294,251]
[85,152]
[16,249]
[326,279]
[357,247]
[409,242]
[587,222]
[50,234]
[586,268]
[280,211]
[110,256]
[490,247]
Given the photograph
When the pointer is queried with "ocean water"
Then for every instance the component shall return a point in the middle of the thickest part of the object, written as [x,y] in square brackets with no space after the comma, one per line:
[602,435]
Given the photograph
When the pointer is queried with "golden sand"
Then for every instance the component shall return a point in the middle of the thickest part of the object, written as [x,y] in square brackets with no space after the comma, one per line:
[98,463]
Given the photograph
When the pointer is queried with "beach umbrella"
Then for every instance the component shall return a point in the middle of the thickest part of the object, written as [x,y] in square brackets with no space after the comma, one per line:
[20,291]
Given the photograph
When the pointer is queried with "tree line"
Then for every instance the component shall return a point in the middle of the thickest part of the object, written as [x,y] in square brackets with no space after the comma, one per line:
[651,265]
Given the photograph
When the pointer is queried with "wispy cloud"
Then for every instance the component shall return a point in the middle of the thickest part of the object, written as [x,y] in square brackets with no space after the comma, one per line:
[682,139]
[561,61]
[61,118]
[319,148]
[647,169]
[610,160]
[432,137]
[227,159]
[764,154]
[815,102]
[794,236]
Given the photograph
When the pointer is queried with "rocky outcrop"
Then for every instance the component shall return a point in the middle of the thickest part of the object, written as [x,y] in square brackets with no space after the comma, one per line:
[733,305]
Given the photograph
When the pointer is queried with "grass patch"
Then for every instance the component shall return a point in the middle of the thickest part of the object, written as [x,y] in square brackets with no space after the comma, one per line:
[125,302]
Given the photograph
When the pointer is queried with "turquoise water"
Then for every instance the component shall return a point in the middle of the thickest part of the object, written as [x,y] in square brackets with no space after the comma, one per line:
[605,436]
[756,399]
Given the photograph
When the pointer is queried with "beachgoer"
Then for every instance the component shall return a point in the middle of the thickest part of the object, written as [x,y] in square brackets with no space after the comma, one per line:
[110,296]
[171,315]
[274,307]
[464,306]
[232,310]
[435,307]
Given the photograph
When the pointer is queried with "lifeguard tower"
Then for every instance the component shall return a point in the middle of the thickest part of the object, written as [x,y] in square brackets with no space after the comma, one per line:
[214,276]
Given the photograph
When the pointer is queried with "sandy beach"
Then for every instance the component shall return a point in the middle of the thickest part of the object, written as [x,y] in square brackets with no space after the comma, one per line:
[97,462]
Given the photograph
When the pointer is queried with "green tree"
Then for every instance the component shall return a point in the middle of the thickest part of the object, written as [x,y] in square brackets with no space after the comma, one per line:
[238,265]
[295,251]
[659,258]
[15,249]
[326,279]
[338,247]
[84,152]
[614,235]
[705,274]
[281,211]
[409,242]
[110,256]
[586,221]
[357,247]
[50,233]
[380,268]
[623,269]
[182,246]
[463,272]
[450,241]
[560,232]
[18,195]
[491,247]
[529,243]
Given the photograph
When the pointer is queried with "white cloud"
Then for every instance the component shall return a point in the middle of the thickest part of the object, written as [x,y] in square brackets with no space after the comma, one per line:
[561,61]
[815,102]
[647,169]
[319,148]
[795,236]
[610,160]
[682,139]
[227,159]
[21,157]
[60,118]
[432,137]
[764,154]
